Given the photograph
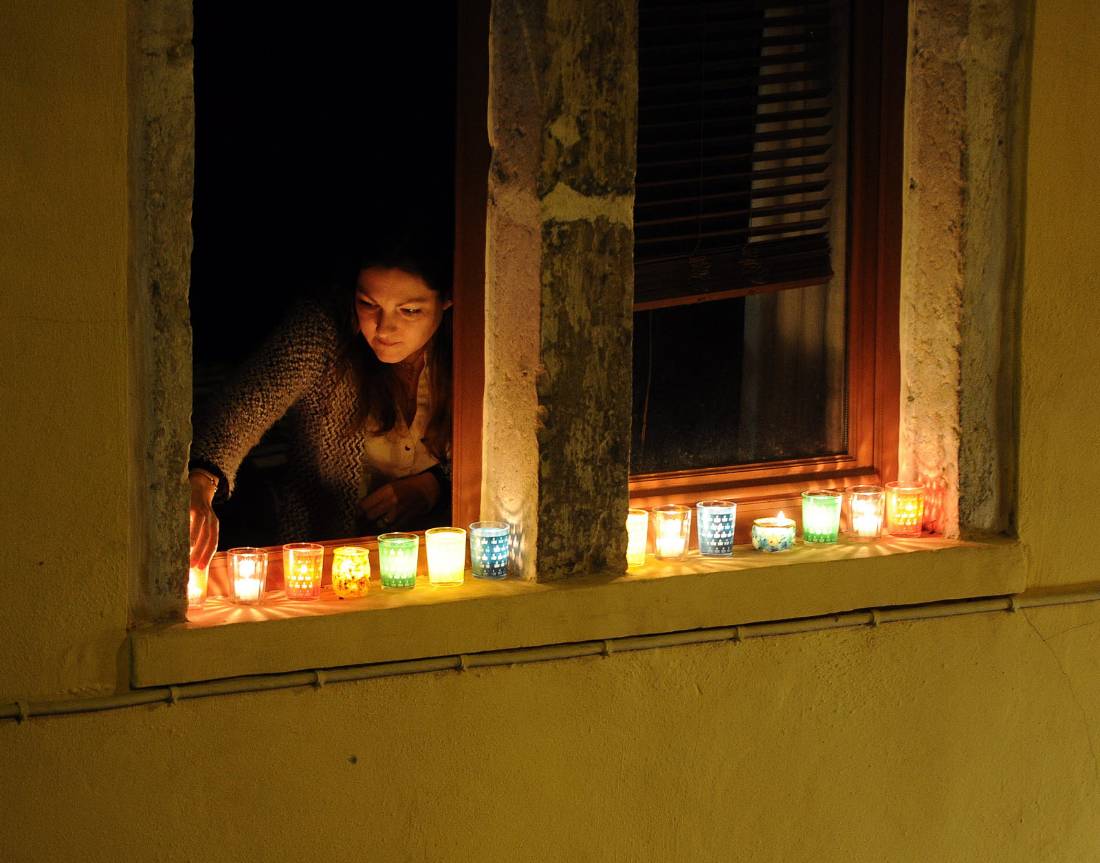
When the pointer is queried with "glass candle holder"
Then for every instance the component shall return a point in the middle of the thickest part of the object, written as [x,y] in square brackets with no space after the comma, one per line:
[197,580]
[773,534]
[350,571]
[865,509]
[490,548]
[673,527]
[397,557]
[637,535]
[248,570]
[715,521]
[904,508]
[446,554]
[302,566]
[821,515]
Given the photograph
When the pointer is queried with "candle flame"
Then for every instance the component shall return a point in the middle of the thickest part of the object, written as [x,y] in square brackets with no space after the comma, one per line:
[780,514]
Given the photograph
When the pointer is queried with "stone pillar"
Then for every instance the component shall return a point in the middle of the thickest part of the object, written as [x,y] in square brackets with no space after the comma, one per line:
[559,280]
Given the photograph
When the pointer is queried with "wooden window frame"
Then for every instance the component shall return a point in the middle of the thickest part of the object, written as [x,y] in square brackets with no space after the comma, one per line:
[877,102]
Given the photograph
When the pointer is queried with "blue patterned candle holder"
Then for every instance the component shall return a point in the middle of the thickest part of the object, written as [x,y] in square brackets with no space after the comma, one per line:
[773,534]
[821,515]
[490,549]
[397,558]
[715,520]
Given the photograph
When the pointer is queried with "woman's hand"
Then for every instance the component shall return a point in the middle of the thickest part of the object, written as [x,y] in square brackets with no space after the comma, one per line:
[403,499]
[204,524]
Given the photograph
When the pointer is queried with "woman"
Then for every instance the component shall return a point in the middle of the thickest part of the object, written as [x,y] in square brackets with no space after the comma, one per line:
[364,384]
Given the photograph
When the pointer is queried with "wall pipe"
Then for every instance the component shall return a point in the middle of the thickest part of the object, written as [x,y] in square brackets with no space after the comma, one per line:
[23,710]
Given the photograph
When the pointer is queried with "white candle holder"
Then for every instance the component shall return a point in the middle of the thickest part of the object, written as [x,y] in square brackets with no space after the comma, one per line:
[248,570]
[672,525]
[446,554]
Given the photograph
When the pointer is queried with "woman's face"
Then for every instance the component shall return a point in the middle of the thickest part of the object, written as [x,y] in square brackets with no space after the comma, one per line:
[398,313]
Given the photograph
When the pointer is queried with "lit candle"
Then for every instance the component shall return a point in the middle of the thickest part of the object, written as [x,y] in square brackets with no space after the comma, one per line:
[673,526]
[637,534]
[490,549]
[865,508]
[904,508]
[715,523]
[248,569]
[302,567]
[821,515]
[446,554]
[350,571]
[196,586]
[397,556]
[773,534]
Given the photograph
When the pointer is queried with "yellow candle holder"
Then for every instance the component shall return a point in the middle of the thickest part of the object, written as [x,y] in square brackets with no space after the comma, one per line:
[637,535]
[248,569]
[673,527]
[302,566]
[904,508]
[350,571]
[446,554]
[197,580]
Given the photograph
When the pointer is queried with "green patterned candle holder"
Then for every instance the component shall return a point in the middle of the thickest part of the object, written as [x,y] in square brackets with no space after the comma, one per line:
[821,515]
[397,557]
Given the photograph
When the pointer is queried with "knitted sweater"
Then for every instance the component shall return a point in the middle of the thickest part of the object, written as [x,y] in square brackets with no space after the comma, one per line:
[295,374]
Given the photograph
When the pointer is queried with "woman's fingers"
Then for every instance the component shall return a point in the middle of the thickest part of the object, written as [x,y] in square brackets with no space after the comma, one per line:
[380,503]
[204,537]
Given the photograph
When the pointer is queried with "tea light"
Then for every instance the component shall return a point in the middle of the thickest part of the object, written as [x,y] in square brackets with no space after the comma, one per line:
[248,568]
[821,515]
[716,519]
[302,565]
[490,548]
[773,534]
[673,527]
[637,534]
[865,507]
[397,557]
[446,554]
[904,508]
[196,586]
[350,571]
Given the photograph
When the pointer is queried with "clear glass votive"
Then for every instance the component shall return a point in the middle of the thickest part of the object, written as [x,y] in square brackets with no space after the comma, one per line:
[197,580]
[490,548]
[904,508]
[397,557]
[821,515]
[303,563]
[715,520]
[773,534]
[248,571]
[866,504]
[637,535]
[350,571]
[446,554]
[672,524]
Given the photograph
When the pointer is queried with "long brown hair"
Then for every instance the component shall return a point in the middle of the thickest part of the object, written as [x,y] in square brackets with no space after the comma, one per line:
[378,387]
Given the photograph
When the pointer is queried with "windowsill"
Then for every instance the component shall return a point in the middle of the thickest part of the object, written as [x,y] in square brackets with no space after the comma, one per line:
[223,640]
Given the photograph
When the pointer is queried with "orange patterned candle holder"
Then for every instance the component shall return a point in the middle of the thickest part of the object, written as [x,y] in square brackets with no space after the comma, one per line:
[302,567]
[904,508]
[350,571]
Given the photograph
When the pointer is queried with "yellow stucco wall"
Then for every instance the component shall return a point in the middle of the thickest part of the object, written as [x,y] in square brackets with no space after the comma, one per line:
[966,739]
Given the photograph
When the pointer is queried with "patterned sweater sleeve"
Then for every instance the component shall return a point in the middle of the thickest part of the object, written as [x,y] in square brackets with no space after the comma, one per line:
[291,363]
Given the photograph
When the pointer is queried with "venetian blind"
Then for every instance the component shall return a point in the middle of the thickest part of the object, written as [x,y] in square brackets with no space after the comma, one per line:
[734,148]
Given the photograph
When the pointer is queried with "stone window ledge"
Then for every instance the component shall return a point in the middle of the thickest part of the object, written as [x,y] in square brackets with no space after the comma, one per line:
[227,641]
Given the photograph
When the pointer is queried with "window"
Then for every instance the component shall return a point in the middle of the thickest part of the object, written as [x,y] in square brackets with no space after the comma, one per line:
[767,222]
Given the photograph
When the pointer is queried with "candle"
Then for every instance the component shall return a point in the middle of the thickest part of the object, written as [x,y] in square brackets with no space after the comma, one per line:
[446,554]
[490,548]
[715,520]
[904,508]
[821,515]
[397,557]
[673,526]
[350,571]
[865,509]
[196,586]
[773,534]
[637,534]
[248,568]
[302,567]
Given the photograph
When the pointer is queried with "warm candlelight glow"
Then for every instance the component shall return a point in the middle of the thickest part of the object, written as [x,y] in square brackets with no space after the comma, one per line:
[821,515]
[196,586]
[865,510]
[446,554]
[637,534]
[397,557]
[350,571]
[904,508]
[673,526]
[248,569]
[302,567]
[773,534]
